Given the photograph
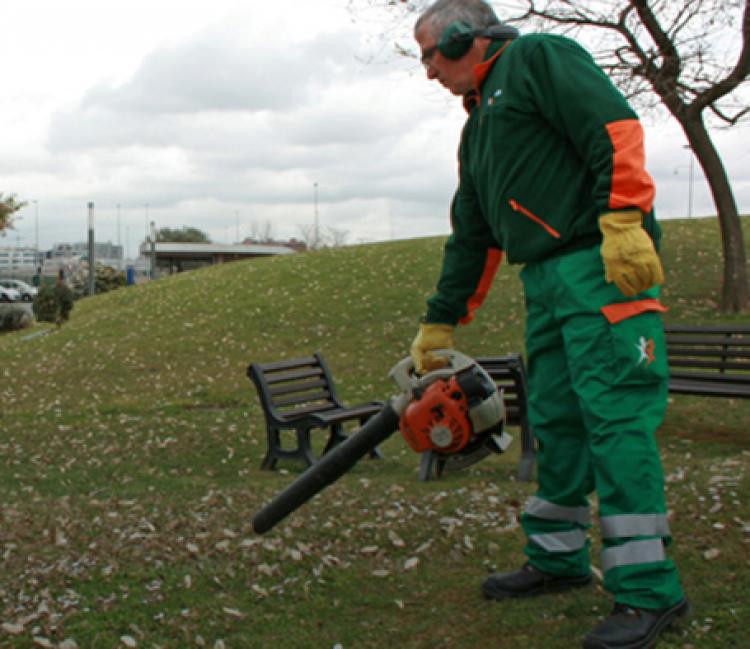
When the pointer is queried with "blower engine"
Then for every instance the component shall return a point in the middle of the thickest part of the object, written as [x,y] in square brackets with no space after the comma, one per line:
[452,411]
[455,412]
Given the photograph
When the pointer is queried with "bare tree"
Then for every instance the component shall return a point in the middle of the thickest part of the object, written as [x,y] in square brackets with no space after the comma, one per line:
[310,235]
[315,239]
[691,57]
[261,232]
[336,237]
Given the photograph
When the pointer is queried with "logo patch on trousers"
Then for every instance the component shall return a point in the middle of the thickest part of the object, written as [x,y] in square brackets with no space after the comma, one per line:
[646,350]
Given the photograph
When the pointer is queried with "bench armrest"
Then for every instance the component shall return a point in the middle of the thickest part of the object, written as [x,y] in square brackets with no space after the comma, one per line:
[340,415]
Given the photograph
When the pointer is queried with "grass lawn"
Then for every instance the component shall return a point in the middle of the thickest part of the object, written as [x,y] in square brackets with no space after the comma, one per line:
[130,444]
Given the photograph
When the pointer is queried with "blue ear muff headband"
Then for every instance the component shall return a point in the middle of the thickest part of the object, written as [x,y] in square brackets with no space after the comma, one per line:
[456,39]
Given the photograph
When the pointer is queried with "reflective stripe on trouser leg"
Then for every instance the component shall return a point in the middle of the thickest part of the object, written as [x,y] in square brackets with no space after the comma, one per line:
[545,509]
[556,518]
[630,562]
[629,525]
[563,541]
[633,553]
[570,541]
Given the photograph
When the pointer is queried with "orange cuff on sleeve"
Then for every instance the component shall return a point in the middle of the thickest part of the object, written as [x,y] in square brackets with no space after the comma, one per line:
[491,264]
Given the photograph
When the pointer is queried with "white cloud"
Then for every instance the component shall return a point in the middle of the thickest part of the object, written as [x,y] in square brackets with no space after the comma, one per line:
[210,114]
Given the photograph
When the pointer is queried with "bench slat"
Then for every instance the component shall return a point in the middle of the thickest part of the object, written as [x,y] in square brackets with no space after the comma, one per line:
[322,396]
[719,366]
[708,329]
[286,364]
[715,377]
[284,389]
[294,416]
[708,389]
[296,375]
[687,347]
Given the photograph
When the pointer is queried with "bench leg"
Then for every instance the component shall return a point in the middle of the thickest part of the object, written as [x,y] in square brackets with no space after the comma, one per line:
[374,453]
[440,466]
[335,438]
[426,465]
[528,454]
[276,452]
[274,443]
[304,448]
[431,466]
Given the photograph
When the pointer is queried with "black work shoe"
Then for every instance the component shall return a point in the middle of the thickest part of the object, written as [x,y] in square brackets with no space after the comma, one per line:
[528,582]
[628,627]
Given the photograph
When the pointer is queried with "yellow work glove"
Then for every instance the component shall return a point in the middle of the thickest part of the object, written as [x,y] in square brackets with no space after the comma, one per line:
[630,259]
[429,338]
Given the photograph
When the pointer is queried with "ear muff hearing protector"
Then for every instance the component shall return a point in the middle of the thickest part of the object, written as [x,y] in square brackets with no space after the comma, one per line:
[456,39]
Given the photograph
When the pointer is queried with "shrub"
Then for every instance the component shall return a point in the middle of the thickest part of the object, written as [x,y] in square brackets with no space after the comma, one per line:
[14,317]
[53,303]
[106,279]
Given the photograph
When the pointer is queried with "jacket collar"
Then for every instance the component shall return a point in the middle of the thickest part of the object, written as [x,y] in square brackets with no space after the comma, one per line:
[481,70]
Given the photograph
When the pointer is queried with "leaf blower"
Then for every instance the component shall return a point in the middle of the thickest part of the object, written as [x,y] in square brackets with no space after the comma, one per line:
[456,410]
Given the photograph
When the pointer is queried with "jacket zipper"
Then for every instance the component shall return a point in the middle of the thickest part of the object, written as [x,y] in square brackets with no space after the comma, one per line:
[520,208]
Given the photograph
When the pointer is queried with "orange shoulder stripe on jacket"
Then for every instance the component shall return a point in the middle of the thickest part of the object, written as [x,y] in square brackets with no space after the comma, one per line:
[632,186]
[491,264]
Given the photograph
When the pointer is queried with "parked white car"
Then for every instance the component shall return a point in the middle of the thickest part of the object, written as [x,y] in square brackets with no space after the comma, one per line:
[26,292]
[9,295]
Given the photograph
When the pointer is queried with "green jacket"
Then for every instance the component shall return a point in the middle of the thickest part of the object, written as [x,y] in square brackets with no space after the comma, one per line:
[549,145]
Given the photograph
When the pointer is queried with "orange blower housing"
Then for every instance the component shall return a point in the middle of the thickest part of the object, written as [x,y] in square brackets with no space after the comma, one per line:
[438,419]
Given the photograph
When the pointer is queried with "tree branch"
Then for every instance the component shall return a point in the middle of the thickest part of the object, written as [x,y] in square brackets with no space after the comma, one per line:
[737,75]
[671,62]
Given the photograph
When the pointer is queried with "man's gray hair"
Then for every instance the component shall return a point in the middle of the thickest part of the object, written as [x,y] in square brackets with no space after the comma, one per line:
[477,13]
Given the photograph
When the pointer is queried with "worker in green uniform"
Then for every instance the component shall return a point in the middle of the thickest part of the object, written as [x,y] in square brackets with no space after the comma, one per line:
[552,176]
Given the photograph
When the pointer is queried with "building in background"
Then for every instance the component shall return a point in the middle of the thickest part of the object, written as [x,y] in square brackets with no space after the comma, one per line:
[22,260]
[178,257]
[109,254]
[22,263]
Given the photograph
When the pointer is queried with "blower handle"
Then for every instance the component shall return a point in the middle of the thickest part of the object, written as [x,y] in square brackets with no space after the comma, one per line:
[330,467]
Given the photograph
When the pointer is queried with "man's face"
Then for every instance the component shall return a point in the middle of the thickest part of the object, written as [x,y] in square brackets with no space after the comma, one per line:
[457,76]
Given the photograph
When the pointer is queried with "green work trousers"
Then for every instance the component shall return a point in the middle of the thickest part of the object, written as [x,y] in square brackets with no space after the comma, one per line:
[597,393]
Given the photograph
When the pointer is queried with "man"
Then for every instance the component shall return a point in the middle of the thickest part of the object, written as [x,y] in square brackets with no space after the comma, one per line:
[552,177]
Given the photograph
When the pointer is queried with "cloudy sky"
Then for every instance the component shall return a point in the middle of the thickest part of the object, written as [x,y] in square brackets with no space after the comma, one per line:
[231,115]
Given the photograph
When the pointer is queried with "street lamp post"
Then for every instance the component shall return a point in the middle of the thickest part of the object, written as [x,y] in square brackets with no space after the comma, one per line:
[36,225]
[37,257]
[119,239]
[152,272]
[315,233]
[92,253]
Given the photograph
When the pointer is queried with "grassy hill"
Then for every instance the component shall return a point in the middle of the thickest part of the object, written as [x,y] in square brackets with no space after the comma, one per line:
[130,441]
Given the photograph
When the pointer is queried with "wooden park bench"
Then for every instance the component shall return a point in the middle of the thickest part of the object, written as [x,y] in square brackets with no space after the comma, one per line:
[712,361]
[299,395]
[509,374]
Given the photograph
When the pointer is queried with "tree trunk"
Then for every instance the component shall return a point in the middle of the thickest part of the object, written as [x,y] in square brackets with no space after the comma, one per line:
[735,295]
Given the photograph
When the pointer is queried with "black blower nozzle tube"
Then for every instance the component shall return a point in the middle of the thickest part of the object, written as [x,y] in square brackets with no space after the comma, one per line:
[328,469]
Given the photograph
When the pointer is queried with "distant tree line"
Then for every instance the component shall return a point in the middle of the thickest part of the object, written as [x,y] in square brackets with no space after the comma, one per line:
[182,235]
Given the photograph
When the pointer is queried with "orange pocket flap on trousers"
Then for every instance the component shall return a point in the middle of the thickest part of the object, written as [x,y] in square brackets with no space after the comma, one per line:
[623,310]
